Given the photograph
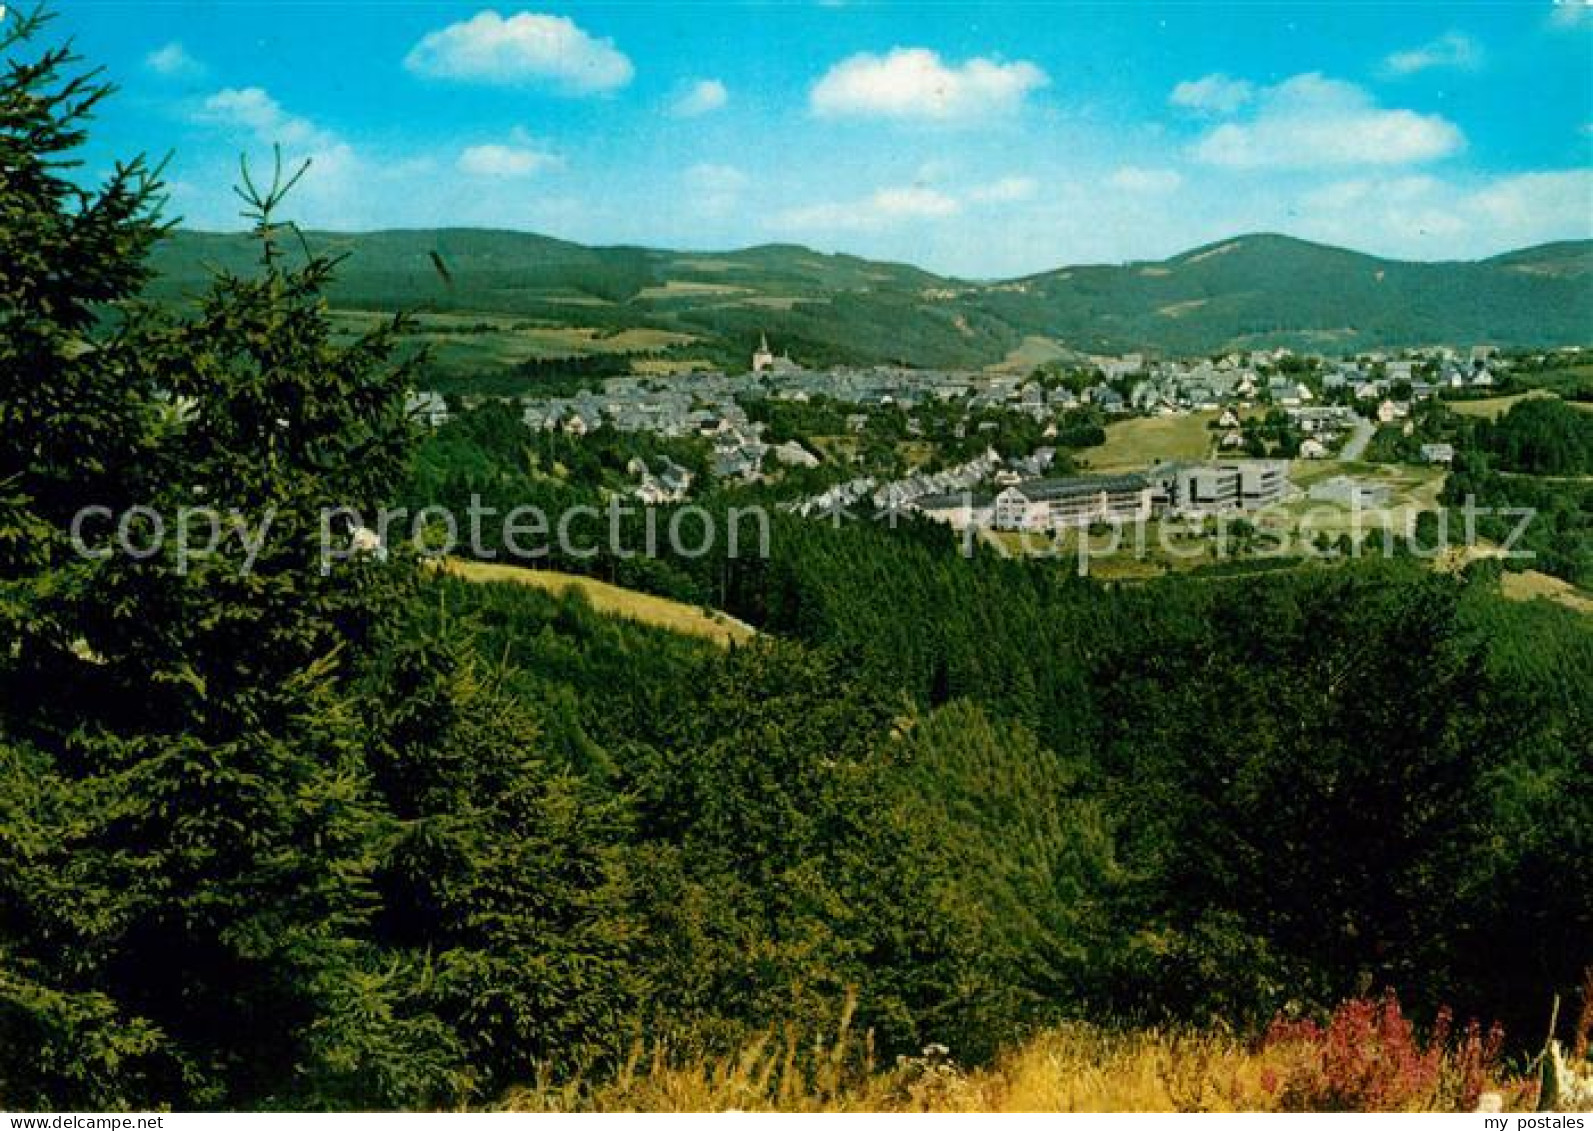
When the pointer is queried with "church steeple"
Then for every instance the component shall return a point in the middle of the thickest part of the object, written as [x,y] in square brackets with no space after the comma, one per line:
[764,357]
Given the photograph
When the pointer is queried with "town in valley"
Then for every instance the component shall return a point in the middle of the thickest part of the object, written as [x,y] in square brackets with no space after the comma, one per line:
[1031,462]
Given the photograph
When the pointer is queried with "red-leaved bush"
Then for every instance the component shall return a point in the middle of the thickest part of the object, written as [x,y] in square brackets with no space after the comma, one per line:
[1369,1058]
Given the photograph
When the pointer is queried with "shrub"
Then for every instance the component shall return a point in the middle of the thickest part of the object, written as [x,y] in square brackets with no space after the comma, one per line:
[1369,1057]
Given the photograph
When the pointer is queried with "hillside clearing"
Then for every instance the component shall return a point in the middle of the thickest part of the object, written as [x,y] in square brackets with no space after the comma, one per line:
[1530,585]
[464,339]
[1033,351]
[615,600]
[1133,445]
[1492,408]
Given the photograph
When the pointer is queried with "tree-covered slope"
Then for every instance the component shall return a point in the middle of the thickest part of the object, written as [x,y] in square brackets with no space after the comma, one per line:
[1267,290]
[1250,291]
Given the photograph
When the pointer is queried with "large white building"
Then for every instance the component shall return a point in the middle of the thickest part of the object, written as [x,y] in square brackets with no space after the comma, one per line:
[1227,485]
[1051,504]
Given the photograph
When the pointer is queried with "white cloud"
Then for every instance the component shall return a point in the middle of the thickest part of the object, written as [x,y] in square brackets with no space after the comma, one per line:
[702,97]
[912,202]
[1570,15]
[1538,205]
[714,188]
[356,184]
[1359,192]
[887,207]
[526,48]
[1423,217]
[252,111]
[494,161]
[1310,121]
[1149,182]
[334,188]
[1213,94]
[913,82]
[173,62]
[898,207]
[1008,190]
[1449,50]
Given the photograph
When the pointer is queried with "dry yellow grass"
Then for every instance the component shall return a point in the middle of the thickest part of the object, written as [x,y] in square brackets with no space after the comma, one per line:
[461,337]
[684,288]
[773,302]
[1530,585]
[1077,1068]
[1493,407]
[1134,444]
[1031,352]
[613,599]
[668,367]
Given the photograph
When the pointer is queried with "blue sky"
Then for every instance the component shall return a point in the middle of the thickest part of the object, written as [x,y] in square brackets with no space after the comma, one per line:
[977,139]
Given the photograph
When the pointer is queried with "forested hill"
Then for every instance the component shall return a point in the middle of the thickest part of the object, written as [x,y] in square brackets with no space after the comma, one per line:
[1250,291]
[1268,290]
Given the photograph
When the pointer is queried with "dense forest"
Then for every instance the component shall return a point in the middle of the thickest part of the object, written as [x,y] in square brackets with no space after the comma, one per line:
[1534,461]
[274,835]
[1521,481]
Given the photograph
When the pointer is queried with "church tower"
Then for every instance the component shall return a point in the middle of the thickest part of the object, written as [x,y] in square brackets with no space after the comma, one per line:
[763,358]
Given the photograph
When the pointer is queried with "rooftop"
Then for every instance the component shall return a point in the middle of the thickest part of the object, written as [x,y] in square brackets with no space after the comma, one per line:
[1039,489]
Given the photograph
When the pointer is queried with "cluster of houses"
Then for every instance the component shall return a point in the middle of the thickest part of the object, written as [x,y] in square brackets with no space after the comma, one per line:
[636,404]
[1323,426]
[1165,387]
[710,405]
[1154,387]
[684,407]
[662,481]
[920,492]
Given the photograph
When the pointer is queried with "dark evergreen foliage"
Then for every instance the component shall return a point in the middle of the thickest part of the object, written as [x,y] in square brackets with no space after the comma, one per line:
[371,837]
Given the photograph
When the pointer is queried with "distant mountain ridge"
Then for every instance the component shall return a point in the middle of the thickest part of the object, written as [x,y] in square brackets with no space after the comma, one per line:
[1251,291]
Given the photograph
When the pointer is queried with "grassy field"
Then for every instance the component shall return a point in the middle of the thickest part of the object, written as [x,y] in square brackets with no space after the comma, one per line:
[1411,489]
[1494,407]
[835,449]
[1530,585]
[1033,351]
[614,600]
[1135,444]
[465,341]
[1077,1068]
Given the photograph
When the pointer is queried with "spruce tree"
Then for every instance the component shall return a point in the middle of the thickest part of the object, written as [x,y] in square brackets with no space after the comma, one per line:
[190,831]
[73,429]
